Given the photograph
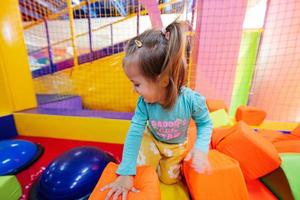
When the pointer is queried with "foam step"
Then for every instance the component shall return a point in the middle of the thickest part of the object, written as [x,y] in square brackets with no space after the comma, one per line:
[284,182]
[226,180]
[10,188]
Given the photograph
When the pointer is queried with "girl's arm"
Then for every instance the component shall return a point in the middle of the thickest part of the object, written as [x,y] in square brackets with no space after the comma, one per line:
[133,140]
[124,182]
[203,123]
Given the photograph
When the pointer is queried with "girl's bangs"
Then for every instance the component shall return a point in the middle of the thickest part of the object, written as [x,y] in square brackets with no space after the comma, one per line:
[131,60]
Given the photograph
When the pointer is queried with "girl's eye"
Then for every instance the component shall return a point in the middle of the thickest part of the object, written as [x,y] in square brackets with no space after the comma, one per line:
[136,85]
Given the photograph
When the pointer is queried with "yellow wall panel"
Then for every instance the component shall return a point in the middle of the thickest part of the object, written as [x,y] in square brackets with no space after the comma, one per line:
[15,74]
[6,106]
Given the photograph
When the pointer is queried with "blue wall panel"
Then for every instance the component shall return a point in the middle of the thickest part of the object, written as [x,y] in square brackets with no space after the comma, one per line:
[7,127]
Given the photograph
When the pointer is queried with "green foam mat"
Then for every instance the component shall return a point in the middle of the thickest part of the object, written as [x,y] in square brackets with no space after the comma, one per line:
[284,182]
[220,118]
[10,188]
[278,184]
[291,167]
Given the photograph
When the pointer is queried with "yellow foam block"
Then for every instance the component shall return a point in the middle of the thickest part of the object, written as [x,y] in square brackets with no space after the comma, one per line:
[220,118]
[71,127]
[276,125]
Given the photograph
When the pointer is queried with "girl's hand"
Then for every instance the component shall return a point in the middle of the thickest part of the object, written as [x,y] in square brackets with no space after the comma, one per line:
[199,162]
[121,186]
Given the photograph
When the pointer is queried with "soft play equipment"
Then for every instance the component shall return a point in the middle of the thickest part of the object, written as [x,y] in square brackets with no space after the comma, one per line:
[218,135]
[256,155]
[226,180]
[220,118]
[277,182]
[174,191]
[283,142]
[16,155]
[276,136]
[291,165]
[251,115]
[216,104]
[288,146]
[146,180]
[73,175]
[296,131]
[284,182]
[10,188]
[291,142]
[258,191]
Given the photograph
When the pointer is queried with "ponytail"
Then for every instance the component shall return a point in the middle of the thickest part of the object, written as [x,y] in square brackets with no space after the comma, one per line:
[175,66]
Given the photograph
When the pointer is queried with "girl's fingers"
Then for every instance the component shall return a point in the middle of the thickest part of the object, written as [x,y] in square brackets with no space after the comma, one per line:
[124,195]
[111,191]
[203,169]
[106,187]
[117,193]
[198,169]
[133,189]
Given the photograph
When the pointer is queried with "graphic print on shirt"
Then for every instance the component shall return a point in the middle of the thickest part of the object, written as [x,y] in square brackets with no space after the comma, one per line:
[169,129]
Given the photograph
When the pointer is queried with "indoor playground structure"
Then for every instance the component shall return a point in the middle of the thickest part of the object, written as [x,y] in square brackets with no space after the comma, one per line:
[66,104]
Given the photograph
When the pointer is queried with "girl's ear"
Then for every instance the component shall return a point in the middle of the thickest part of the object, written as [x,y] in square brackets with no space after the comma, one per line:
[163,80]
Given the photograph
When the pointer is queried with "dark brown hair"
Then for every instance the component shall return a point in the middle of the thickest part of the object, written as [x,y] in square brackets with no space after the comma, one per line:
[160,56]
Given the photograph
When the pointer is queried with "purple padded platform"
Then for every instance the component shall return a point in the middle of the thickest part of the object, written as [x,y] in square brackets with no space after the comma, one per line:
[71,105]
[82,113]
[65,102]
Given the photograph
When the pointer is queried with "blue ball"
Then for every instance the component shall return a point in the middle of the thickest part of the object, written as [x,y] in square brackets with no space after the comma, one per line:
[73,175]
[15,155]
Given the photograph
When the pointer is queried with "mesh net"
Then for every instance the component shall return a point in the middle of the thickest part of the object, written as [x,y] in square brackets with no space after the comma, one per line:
[275,86]
[101,30]
[244,52]
[248,55]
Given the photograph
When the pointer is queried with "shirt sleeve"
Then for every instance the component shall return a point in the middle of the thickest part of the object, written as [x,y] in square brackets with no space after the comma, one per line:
[203,122]
[133,140]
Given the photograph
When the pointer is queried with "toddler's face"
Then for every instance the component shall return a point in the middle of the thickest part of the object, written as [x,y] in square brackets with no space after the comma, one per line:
[150,90]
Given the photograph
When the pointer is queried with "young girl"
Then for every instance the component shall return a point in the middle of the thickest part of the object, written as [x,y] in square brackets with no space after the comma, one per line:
[155,63]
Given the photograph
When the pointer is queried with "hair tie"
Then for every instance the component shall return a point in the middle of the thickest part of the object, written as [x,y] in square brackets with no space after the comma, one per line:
[138,43]
[166,33]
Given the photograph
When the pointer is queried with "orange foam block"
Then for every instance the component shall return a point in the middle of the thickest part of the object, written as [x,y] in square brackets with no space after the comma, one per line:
[218,135]
[276,136]
[288,146]
[226,180]
[251,115]
[146,181]
[296,131]
[258,190]
[256,155]
[215,104]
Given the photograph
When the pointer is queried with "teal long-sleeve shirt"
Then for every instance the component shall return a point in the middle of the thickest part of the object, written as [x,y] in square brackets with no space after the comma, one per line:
[168,126]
